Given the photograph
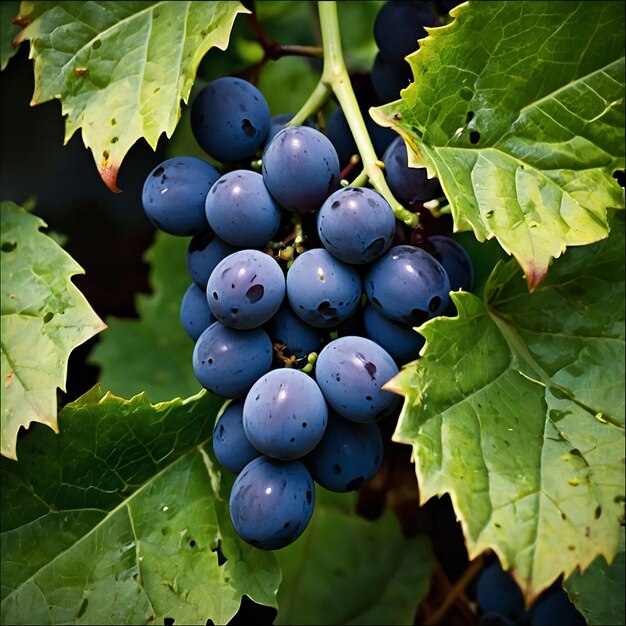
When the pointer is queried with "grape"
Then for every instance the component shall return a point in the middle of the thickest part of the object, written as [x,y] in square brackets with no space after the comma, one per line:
[205,251]
[246,289]
[174,192]
[356,225]
[340,135]
[402,342]
[195,314]
[389,78]
[300,168]
[554,608]
[285,414]
[288,329]
[408,184]
[350,371]
[230,444]
[230,119]
[398,26]
[241,211]
[455,260]
[322,290]
[348,455]
[498,594]
[381,137]
[408,285]
[271,502]
[280,121]
[228,362]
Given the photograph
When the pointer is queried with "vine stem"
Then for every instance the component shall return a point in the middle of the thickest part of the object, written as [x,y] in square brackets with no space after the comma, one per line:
[335,80]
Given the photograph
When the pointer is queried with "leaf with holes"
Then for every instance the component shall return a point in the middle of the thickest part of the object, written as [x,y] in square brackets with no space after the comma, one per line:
[518,109]
[121,69]
[517,410]
[152,354]
[362,572]
[44,317]
[123,519]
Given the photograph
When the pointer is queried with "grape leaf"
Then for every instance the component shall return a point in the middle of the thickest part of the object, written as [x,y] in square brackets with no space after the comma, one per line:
[121,69]
[8,31]
[516,409]
[362,572]
[518,109]
[598,593]
[123,519]
[152,354]
[44,317]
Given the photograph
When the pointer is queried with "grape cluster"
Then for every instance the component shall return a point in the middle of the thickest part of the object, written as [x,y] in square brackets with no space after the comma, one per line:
[302,305]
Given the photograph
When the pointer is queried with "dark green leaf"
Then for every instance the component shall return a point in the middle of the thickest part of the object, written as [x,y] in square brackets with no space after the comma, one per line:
[518,109]
[8,31]
[517,410]
[348,570]
[44,317]
[119,519]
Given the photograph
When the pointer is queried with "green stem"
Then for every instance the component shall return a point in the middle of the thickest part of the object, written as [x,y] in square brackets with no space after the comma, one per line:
[335,77]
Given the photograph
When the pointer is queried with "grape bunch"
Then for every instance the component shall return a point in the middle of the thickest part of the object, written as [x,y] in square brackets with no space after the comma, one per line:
[302,305]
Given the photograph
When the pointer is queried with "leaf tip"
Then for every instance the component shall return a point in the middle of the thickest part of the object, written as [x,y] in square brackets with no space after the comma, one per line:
[534,276]
[108,172]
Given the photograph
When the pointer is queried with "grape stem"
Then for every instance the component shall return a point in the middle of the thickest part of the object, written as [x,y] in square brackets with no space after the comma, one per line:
[335,80]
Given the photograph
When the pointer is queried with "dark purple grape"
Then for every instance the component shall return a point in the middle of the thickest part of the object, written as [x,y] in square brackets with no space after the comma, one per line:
[498,594]
[271,502]
[350,371]
[399,24]
[348,456]
[322,290]
[230,444]
[174,192]
[455,260]
[246,289]
[389,78]
[408,285]
[408,184]
[228,362]
[195,314]
[340,135]
[356,225]
[554,608]
[297,337]
[300,168]
[401,341]
[205,251]
[230,119]
[241,211]
[285,414]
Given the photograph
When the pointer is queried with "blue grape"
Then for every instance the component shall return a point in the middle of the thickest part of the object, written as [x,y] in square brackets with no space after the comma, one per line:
[195,314]
[356,225]
[271,502]
[300,168]
[389,78]
[241,211]
[398,26]
[230,119]
[205,251]
[246,289]
[230,444]
[280,121]
[402,342]
[350,371]
[455,260]
[298,338]
[340,135]
[408,285]
[380,135]
[348,456]
[174,192]
[228,362]
[554,608]
[408,184]
[285,414]
[497,593]
[322,290]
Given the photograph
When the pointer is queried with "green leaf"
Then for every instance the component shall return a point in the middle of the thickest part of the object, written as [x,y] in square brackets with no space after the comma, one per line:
[121,69]
[8,31]
[44,317]
[524,130]
[152,354]
[599,593]
[121,519]
[348,570]
[517,410]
